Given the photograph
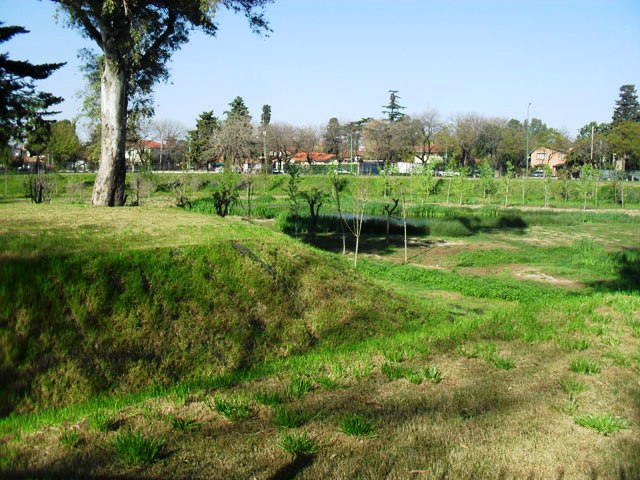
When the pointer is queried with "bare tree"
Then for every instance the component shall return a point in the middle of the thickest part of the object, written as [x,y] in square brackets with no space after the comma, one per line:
[167,133]
[359,204]
[234,142]
[467,132]
[429,125]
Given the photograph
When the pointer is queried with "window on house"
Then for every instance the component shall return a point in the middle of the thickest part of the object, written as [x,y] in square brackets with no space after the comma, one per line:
[540,156]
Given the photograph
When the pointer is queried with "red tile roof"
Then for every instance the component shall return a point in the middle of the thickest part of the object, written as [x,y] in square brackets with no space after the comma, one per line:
[315,157]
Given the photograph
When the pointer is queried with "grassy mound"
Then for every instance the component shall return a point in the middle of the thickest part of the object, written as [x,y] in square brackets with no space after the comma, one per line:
[91,318]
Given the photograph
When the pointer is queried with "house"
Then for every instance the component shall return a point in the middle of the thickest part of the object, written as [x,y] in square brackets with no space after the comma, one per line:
[542,156]
[436,154]
[313,158]
[140,152]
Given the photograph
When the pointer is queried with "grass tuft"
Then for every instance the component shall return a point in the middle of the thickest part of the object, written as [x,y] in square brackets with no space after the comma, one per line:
[132,448]
[356,426]
[268,399]
[235,407]
[604,424]
[184,424]
[571,386]
[71,438]
[287,418]
[327,383]
[433,374]
[586,366]
[102,422]
[299,387]
[298,444]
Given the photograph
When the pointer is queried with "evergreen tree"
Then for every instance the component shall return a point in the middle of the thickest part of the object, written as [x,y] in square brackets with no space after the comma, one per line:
[19,101]
[393,109]
[265,119]
[238,110]
[333,137]
[199,139]
[627,106]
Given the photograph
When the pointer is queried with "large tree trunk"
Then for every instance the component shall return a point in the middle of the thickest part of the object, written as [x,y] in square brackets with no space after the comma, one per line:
[109,189]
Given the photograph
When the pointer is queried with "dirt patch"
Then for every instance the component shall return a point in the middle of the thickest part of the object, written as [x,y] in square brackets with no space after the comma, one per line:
[525,272]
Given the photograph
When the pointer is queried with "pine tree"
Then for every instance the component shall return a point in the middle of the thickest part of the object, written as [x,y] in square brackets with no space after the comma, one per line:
[627,106]
[393,109]
[19,101]
[200,138]
[238,110]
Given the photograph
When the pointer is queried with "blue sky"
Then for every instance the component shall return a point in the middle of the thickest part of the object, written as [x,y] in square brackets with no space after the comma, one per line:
[339,58]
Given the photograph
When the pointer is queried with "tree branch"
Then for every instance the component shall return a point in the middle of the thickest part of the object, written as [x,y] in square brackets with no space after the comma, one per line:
[169,30]
[75,9]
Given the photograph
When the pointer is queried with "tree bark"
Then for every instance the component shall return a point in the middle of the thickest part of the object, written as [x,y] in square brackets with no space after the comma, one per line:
[109,188]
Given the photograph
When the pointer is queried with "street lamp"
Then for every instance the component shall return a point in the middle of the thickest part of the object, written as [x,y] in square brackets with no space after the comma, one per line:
[526,153]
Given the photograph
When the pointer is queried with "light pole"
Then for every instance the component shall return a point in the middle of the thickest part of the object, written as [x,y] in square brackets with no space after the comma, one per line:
[526,153]
[264,147]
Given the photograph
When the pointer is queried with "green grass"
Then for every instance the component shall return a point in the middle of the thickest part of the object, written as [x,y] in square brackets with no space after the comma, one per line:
[268,398]
[234,407]
[132,448]
[71,438]
[572,386]
[299,387]
[355,426]
[298,443]
[605,424]
[286,417]
[185,424]
[585,366]
[163,313]
[102,422]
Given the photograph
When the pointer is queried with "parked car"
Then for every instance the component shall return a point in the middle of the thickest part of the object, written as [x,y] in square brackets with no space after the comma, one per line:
[537,174]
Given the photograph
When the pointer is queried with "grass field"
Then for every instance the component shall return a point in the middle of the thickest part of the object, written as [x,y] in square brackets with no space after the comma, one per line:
[151,342]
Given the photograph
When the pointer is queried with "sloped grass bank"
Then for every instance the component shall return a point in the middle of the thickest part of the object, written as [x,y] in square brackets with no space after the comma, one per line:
[76,324]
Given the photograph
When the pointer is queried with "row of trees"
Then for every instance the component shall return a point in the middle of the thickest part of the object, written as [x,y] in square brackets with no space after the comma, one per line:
[466,140]
[136,39]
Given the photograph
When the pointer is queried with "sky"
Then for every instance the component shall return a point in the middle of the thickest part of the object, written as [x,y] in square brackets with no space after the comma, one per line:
[340,58]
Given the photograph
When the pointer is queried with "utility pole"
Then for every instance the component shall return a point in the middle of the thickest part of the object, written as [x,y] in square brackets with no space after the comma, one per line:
[527,143]
[264,147]
[592,131]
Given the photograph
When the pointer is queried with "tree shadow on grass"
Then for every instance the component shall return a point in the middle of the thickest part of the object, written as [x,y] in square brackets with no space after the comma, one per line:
[627,266]
[293,468]
[475,225]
